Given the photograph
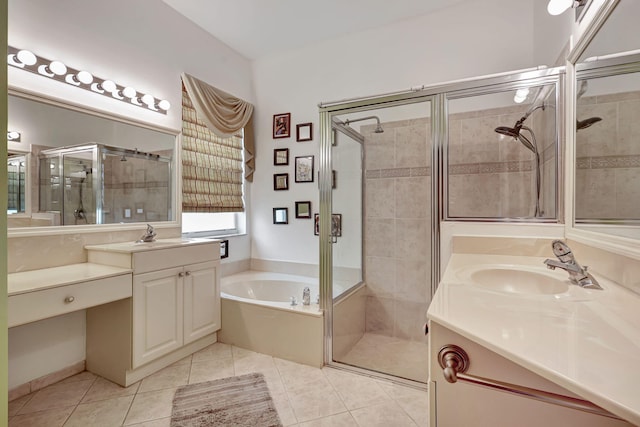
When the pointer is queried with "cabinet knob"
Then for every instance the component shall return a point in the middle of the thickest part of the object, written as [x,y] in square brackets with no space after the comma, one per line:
[188,273]
[454,361]
[69,299]
[181,274]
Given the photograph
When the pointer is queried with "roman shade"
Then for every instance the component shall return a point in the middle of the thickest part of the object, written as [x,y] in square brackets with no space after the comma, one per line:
[212,148]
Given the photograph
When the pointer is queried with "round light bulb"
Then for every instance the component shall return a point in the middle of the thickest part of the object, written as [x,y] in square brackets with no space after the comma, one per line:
[129,92]
[521,95]
[556,7]
[164,105]
[149,100]
[26,57]
[84,77]
[109,86]
[58,68]
[11,135]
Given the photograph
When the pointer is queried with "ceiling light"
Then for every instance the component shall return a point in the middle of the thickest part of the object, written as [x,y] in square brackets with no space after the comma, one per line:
[556,7]
[13,136]
[521,95]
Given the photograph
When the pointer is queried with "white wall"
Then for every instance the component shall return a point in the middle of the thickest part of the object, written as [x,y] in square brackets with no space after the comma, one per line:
[142,43]
[470,39]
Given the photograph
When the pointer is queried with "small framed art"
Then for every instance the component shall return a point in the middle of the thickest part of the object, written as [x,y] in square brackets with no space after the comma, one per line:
[280,181]
[282,125]
[281,157]
[304,169]
[303,209]
[280,215]
[304,132]
[336,225]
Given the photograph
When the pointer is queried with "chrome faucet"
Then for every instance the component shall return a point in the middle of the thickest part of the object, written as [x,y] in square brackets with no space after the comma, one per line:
[148,236]
[306,296]
[577,274]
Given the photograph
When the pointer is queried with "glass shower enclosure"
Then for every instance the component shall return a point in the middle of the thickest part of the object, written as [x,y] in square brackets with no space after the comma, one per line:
[99,184]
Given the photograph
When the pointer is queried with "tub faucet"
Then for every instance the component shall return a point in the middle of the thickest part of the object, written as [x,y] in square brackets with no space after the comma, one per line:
[148,236]
[577,274]
[306,296]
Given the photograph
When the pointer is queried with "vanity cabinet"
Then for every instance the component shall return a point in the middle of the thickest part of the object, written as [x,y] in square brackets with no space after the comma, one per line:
[174,310]
[173,307]
[466,404]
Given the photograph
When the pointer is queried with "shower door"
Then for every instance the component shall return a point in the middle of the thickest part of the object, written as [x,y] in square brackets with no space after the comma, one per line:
[381,238]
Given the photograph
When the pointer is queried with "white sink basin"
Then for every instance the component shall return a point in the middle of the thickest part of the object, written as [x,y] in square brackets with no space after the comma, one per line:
[515,281]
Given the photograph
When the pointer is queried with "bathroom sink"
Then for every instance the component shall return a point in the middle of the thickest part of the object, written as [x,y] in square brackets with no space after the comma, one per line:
[518,281]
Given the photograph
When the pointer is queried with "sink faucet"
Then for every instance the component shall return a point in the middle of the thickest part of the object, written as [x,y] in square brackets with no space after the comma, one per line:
[306,296]
[577,273]
[148,236]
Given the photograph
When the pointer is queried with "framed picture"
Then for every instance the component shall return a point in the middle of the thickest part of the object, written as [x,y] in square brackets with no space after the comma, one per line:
[303,209]
[336,224]
[224,249]
[304,132]
[281,157]
[282,125]
[280,215]
[280,181]
[304,169]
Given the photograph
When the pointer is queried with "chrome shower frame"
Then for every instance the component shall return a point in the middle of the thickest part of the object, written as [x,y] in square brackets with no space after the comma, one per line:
[438,95]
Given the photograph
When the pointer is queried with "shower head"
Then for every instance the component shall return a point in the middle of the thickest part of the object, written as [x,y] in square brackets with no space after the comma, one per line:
[583,124]
[513,132]
[378,128]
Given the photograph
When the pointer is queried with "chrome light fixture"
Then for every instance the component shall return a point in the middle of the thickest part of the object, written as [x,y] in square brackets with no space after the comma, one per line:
[57,70]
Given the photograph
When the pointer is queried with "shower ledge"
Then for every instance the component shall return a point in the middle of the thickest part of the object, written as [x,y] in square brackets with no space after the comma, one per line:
[601,329]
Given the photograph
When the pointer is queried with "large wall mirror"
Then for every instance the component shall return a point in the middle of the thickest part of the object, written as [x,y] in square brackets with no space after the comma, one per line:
[74,167]
[607,125]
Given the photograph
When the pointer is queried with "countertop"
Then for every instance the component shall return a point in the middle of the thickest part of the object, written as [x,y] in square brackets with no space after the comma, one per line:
[36,280]
[131,247]
[587,341]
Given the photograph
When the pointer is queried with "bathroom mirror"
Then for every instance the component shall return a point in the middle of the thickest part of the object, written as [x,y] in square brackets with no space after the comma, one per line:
[88,168]
[607,125]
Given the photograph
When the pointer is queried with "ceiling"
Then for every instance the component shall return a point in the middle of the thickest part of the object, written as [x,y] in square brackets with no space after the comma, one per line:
[259,28]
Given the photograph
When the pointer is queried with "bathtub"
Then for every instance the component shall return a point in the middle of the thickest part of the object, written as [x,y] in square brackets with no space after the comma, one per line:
[257,315]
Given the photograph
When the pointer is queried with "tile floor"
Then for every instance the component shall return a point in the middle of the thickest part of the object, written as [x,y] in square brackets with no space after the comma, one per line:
[389,355]
[304,396]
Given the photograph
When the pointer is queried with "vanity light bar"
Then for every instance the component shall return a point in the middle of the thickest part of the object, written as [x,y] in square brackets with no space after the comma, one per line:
[57,70]
[14,136]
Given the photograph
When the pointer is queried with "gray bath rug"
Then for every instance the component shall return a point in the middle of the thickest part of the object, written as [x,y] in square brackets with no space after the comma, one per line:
[233,401]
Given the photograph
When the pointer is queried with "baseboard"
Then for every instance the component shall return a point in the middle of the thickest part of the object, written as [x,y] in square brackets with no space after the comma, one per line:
[45,380]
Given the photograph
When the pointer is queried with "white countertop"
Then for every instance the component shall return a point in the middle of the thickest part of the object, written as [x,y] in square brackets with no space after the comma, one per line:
[130,247]
[587,341]
[36,280]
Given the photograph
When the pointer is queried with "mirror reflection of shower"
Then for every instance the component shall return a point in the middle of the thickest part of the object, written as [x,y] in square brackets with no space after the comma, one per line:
[515,132]
[378,128]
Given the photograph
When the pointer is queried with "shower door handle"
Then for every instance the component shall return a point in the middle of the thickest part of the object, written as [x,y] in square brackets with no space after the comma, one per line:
[333,238]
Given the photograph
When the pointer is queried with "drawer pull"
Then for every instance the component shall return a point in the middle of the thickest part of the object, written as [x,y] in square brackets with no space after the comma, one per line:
[69,299]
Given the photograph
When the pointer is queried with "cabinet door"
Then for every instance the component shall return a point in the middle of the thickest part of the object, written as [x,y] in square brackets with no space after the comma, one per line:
[201,300]
[157,314]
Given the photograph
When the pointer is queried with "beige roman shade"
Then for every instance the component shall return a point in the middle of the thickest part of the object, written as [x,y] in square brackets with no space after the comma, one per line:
[212,148]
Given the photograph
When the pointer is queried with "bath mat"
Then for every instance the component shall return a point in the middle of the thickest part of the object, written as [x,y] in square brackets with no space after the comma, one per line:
[235,401]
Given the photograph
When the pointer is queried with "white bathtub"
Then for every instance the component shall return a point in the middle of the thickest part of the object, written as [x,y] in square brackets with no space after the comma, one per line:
[257,315]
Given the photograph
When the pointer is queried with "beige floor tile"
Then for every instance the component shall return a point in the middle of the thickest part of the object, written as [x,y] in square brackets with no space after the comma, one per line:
[389,414]
[314,404]
[298,378]
[105,413]
[17,404]
[417,408]
[103,389]
[285,411]
[150,406]
[170,377]
[341,420]
[48,418]
[214,351]
[356,391]
[57,396]
[82,376]
[211,369]
[184,361]
[246,362]
[162,422]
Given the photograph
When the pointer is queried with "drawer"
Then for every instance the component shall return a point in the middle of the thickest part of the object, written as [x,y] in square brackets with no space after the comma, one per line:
[160,259]
[37,305]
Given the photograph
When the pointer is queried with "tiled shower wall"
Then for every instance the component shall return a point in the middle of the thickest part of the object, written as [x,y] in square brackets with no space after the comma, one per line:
[398,228]
[608,157]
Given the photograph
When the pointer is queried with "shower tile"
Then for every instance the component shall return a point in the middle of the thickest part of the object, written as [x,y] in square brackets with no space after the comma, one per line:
[517,194]
[379,149]
[380,315]
[412,239]
[595,193]
[627,193]
[380,276]
[380,198]
[380,237]
[413,197]
[628,127]
[413,280]
[411,146]
[599,139]
[410,320]
[474,195]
